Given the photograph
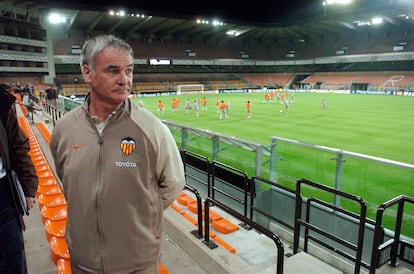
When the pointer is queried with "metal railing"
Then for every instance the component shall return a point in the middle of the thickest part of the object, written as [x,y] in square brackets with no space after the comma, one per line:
[268,233]
[199,232]
[395,248]
[310,226]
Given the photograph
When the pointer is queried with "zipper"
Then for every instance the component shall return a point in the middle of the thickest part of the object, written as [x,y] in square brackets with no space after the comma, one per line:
[97,189]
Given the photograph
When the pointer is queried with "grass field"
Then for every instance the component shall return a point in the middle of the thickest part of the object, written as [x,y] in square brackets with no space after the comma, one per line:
[381,126]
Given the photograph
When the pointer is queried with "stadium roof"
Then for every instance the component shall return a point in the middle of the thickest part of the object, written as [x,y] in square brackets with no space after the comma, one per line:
[260,21]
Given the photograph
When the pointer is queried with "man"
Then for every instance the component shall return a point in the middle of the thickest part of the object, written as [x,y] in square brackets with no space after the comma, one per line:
[160,108]
[14,149]
[223,110]
[187,107]
[51,95]
[119,166]
[204,103]
[249,109]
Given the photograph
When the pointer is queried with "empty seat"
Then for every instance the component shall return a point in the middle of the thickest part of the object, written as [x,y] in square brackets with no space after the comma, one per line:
[192,206]
[51,200]
[54,213]
[213,217]
[45,172]
[42,168]
[224,226]
[51,180]
[55,229]
[163,269]
[63,267]
[48,189]
[184,199]
[58,249]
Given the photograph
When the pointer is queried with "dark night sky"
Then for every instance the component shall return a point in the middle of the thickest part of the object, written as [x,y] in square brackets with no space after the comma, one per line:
[256,11]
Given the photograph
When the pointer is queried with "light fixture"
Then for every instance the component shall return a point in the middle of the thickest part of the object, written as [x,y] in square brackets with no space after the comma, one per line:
[55,18]
[340,2]
[120,12]
[215,22]
[377,20]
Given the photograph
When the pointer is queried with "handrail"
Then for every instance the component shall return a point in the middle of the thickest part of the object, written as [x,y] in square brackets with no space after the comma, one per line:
[54,112]
[199,232]
[400,200]
[298,221]
[268,233]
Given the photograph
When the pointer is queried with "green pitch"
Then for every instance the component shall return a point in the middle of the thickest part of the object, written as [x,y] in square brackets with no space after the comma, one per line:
[376,125]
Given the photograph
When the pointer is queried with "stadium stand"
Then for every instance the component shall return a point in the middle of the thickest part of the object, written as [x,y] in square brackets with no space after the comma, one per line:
[392,80]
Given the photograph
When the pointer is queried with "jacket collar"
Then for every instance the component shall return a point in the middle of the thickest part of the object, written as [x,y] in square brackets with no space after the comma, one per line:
[124,106]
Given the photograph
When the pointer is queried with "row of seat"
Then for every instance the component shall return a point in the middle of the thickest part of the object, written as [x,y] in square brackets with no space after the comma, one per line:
[218,222]
[52,203]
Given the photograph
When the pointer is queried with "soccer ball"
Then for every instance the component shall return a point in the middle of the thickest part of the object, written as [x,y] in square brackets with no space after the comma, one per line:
[280,110]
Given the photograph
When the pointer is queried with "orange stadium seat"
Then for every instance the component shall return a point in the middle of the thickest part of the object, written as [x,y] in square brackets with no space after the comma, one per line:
[51,200]
[45,172]
[55,229]
[55,213]
[46,181]
[48,189]
[163,269]
[224,226]
[37,155]
[58,249]
[184,199]
[63,267]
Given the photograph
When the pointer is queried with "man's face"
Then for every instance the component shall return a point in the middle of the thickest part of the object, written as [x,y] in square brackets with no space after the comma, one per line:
[112,81]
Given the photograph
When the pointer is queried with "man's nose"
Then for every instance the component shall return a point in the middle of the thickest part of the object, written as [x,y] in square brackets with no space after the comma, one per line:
[123,78]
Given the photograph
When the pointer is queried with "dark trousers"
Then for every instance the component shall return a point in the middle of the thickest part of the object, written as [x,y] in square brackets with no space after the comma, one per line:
[11,235]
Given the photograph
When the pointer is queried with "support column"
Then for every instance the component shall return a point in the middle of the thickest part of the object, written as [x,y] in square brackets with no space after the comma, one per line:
[50,79]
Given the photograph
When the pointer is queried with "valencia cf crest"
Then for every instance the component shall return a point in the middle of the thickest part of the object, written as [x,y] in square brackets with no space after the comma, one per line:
[127,145]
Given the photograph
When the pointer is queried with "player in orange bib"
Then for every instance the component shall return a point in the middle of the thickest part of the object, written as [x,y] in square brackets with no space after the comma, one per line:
[204,103]
[249,109]
[160,108]
[223,110]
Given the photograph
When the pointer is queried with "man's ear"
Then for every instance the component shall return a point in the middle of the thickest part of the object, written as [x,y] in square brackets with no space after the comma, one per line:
[86,73]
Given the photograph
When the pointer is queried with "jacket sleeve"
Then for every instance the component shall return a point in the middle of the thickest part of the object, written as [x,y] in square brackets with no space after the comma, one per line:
[170,169]
[20,160]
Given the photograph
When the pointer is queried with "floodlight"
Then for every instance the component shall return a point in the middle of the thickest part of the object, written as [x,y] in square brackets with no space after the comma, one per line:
[344,2]
[341,2]
[232,33]
[376,20]
[217,23]
[56,18]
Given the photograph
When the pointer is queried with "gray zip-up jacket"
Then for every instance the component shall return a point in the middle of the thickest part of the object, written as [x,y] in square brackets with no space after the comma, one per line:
[117,185]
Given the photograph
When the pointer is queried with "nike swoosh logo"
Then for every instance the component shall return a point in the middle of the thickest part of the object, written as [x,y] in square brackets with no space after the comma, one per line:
[77,146]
